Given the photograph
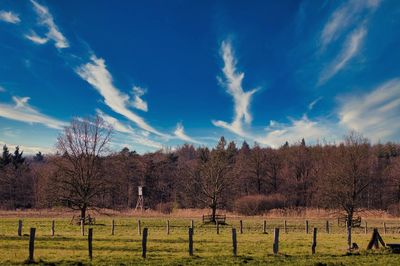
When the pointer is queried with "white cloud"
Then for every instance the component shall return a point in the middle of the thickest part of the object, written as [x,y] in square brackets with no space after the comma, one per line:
[28,150]
[344,18]
[36,38]
[313,103]
[115,123]
[47,20]
[96,74]
[23,112]
[138,102]
[232,81]
[278,134]
[180,133]
[349,50]
[9,17]
[376,114]
[133,136]
[2,89]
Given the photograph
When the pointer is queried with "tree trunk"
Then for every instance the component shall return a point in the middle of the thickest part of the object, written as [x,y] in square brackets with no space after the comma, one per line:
[83,212]
[214,210]
[349,224]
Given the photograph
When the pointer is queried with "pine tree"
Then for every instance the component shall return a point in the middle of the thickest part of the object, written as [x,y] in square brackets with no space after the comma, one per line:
[17,158]
[38,157]
[6,157]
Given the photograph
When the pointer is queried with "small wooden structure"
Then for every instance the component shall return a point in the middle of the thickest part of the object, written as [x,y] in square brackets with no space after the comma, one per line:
[140,201]
[355,222]
[220,219]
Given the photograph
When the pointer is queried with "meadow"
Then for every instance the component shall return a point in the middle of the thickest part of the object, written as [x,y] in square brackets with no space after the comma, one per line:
[69,247]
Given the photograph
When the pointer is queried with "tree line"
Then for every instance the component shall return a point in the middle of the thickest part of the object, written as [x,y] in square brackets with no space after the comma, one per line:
[84,174]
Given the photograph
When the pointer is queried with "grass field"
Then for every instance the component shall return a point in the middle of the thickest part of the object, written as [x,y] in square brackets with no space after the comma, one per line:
[69,247]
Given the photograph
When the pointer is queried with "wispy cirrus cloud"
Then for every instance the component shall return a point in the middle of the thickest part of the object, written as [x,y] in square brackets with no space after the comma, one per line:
[138,102]
[313,103]
[344,17]
[96,74]
[28,149]
[277,133]
[232,81]
[180,133]
[23,112]
[350,20]
[9,17]
[349,50]
[53,33]
[36,38]
[131,134]
[375,114]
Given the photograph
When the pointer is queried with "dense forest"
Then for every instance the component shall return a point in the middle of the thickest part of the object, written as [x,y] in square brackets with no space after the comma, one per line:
[250,179]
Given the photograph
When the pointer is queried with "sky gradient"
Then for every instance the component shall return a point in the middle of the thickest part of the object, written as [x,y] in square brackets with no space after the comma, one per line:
[165,73]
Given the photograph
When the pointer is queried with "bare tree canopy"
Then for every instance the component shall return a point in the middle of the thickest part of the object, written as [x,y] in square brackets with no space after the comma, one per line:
[80,176]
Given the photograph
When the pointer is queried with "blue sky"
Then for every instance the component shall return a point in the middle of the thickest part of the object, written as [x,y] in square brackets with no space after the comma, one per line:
[169,72]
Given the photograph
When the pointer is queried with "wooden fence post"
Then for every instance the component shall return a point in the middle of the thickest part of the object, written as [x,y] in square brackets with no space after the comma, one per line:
[241,226]
[83,227]
[190,241]
[327,227]
[112,227]
[276,241]
[265,227]
[285,226]
[384,228]
[217,228]
[31,245]
[366,228]
[144,243]
[234,242]
[306,226]
[19,227]
[192,226]
[314,242]
[53,227]
[167,227]
[139,227]
[90,246]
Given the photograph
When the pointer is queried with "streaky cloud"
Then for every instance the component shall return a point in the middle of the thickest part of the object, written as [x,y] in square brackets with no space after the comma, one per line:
[132,135]
[277,134]
[36,38]
[375,114]
[28,149]
[180,133]
[23,112]
[9,17]
[46,19]
[138,102]
[96,74]
[343,18]
[232,81]
[349,50]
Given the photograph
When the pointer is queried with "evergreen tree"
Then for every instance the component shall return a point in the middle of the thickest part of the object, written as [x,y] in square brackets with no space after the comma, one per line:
[38,157]
[6,157]
[17,158]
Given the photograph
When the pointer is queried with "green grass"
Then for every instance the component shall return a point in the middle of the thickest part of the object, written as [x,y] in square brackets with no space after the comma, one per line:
[68,247]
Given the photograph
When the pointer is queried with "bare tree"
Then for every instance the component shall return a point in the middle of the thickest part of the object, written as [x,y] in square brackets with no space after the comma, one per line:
[80,175]
[210,175]
[348,175]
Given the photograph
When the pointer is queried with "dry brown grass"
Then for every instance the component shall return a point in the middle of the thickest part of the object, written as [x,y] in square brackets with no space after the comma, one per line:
[313,213]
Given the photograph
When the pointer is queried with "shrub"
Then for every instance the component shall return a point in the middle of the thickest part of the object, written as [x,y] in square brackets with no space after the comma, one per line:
[258,204]
[166,207]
